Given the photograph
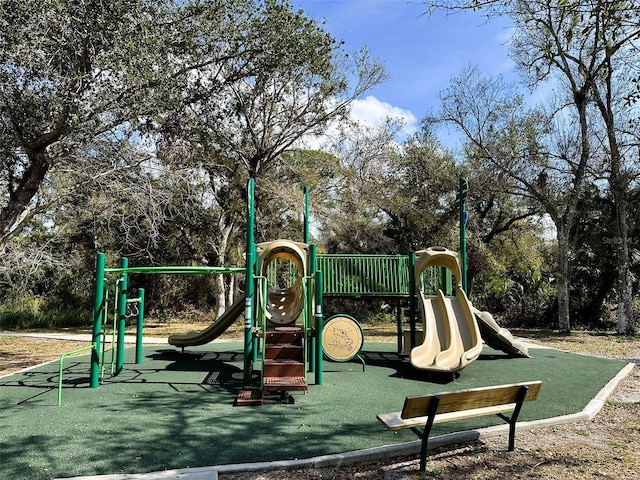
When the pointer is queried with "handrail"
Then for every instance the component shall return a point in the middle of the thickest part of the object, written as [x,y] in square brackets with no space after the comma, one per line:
[306,321]
[187,270]
[114,326]
[61,364]
[261,317]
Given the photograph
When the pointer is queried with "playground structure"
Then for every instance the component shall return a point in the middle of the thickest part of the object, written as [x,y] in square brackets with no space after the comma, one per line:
[284,328]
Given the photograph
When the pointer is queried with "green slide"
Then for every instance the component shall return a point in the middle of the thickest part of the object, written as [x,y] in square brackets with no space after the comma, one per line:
[217,328]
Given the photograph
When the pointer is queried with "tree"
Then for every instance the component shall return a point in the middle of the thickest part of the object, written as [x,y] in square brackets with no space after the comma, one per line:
[419,194]
[591,43]
[495,216]
[67,76]
[389,198]
[245,128]
[73,74]
[590,48]
[358,197]
[508,138]
[302,86]
[594,277]
[78,82]
[515,278]
[86,86]
[304,89]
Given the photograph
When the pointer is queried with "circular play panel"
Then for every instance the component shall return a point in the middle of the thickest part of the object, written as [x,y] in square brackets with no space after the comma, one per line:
[342,338]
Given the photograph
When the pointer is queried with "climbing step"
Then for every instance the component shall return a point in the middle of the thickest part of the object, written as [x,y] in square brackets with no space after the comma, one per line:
[275,384]
[285,351]
[247,398]
[281,335]
[284,368]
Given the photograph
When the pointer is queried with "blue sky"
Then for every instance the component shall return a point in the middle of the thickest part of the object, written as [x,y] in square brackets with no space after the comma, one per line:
[421,53]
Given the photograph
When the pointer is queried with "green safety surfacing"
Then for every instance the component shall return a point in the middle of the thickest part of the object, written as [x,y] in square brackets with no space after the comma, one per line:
[176,410]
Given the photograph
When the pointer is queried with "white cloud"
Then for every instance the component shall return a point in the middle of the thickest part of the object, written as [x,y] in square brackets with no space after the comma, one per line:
[371,112]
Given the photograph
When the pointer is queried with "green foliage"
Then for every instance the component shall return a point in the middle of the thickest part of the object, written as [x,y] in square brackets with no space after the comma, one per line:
[26,312]
[516,282]
[135,126]
[390,199]
[373,312]
[593,266]
[169,296]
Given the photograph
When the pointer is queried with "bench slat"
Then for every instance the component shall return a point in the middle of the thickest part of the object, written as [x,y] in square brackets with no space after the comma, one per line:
[471,399]
[394,421]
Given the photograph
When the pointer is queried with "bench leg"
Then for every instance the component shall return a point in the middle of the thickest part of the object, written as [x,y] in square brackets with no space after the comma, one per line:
[522,393]
[433,408]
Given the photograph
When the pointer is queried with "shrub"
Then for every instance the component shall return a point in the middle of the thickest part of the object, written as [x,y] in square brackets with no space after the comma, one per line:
[34,312]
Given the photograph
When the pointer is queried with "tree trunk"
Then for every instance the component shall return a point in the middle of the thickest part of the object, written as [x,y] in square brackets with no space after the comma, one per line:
[231,291]
[20,198]
[221,297]
[564,323]
[619,187]
[626,323]
[220,283]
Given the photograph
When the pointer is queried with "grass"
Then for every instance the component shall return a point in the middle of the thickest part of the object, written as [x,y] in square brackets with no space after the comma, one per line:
[602,344]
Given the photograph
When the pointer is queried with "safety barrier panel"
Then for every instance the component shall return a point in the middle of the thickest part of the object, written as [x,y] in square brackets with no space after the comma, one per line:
[373,275]
[359,275]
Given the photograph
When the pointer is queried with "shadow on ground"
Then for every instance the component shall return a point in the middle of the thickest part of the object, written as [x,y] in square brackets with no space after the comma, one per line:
[175,410]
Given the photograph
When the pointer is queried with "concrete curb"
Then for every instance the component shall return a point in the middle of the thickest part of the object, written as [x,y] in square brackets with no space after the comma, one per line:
[373,454]
[202,473]
[85,337]
[595,405]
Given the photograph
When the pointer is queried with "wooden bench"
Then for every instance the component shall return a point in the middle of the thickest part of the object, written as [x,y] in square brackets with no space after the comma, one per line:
[421,412]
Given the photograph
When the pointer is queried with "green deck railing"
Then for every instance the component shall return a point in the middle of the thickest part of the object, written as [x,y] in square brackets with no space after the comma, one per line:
[373,275]
[361,275]
[357,275]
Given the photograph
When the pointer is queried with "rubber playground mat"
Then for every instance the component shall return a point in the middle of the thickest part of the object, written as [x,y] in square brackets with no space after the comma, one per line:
[176,410]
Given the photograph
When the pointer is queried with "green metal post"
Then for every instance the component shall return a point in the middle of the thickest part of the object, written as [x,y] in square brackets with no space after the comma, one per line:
[255,344]
[412,300]
[319,327]
[98,299]
[140,325]
[446,282]
[462,208]
[249,288]
[122,311]
[306,214]
[399,323]
[313,340]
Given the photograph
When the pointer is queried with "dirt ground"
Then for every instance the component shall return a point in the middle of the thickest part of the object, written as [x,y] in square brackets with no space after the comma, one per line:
[608,447]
